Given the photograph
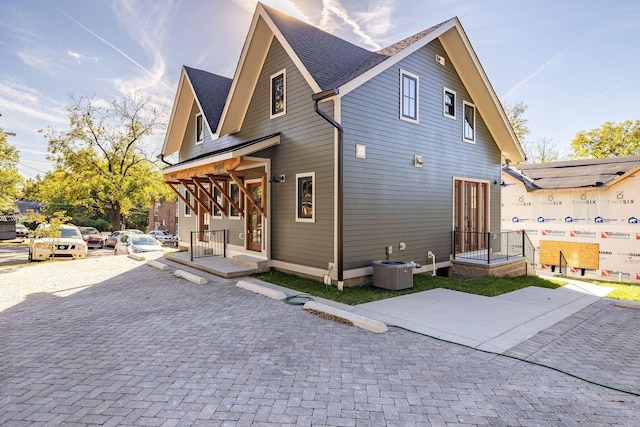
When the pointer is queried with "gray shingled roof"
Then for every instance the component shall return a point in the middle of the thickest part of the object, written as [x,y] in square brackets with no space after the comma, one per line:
[331,60]
[211,90]
[574,173]
[328,58]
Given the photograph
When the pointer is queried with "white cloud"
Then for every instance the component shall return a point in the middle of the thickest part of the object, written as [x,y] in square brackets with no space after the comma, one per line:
[74,54]
[29,102]
[367,25]
[285,6]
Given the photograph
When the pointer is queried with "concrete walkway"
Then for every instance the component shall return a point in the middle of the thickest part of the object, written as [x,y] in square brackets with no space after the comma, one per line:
[488,323]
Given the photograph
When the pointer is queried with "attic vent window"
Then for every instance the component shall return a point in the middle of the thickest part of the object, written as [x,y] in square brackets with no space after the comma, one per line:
[199,129]
[278,94]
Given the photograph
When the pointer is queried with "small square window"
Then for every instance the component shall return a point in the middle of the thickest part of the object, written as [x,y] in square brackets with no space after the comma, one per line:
[305,196]
[469,122]
[449,103]
[409,96]
[199,129]
[278,94]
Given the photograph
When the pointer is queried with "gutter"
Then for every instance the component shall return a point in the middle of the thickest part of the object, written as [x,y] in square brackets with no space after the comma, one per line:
[317,97]
[161,158]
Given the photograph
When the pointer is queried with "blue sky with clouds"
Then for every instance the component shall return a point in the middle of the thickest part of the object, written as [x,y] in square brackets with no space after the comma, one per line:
[575,64]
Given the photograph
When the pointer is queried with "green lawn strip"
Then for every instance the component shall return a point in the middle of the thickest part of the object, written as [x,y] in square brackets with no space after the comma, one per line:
[626,291]
[421,282]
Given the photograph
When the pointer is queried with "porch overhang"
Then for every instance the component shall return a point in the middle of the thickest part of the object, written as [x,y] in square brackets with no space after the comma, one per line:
[202,176]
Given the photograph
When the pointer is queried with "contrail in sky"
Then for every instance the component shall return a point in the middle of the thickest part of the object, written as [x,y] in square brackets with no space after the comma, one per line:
[133,61]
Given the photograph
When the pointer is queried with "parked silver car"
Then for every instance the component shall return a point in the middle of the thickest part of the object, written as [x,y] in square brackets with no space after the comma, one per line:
[136,243]
[162,236]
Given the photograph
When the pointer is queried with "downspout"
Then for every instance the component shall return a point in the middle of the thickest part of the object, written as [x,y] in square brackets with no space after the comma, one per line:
[161,158]
[316,100]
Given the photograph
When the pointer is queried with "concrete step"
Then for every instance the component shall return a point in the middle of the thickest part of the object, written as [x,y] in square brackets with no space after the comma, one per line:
[249,261]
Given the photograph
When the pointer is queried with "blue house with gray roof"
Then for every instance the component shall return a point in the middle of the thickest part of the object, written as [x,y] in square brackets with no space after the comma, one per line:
[320,157]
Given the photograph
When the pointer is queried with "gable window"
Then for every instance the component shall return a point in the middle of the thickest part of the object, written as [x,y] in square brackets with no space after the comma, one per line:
[199,129]
[305,196]
[278,94]
[469,122]
[449,103]
[234,194]
[408,96]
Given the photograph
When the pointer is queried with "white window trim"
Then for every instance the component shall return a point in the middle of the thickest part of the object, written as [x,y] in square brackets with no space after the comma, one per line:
[417,79]
[313,196]
[284,90]
[213,206]
[199,141]
[475,123]
[444,103]
[239,216]
[187,196]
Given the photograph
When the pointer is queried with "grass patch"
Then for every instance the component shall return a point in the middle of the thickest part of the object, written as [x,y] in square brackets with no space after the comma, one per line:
[626,291]
[421,282]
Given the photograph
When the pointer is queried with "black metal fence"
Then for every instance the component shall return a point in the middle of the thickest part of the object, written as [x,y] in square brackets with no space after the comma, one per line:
[492,247]
[208,243]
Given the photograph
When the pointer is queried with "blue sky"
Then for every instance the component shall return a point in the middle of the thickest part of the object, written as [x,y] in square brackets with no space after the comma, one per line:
[575,64]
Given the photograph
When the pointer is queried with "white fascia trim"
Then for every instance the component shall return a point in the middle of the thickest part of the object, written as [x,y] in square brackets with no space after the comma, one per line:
[204,117]
[239,67]
[287,47]
[363,78]
[487,83]
[173,112]
[225,156]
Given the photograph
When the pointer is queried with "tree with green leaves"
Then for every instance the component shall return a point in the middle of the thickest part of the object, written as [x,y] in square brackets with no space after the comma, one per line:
[610,140]
[10,179]
[540,151]
[100,159]
[49,230]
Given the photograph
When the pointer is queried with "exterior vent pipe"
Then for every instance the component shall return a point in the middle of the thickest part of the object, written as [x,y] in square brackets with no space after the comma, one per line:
[316,100]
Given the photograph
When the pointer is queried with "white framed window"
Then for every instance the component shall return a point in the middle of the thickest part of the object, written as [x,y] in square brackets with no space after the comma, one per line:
[199,129]
[234,194]
[449,103]
[409,96]
[217,213]
[469,122]
[305,197]
[278,94]
[187,209]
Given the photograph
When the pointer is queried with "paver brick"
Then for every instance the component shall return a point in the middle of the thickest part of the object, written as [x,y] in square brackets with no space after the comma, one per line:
[141,347]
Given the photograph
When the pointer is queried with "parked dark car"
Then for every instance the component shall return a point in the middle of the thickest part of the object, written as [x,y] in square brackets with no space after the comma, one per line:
[93,237]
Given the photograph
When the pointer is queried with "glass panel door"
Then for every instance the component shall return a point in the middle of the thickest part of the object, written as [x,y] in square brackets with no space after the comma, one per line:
[254,218]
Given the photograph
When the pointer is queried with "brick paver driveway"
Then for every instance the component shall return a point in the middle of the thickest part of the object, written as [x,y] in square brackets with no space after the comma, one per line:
[110,341]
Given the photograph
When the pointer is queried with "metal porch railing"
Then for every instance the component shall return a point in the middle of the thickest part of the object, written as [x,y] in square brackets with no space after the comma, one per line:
[492,247]
[208,243]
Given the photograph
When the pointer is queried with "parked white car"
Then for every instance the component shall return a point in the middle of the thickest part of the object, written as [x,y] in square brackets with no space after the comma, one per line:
[136,243]
[162,236]
[69,245]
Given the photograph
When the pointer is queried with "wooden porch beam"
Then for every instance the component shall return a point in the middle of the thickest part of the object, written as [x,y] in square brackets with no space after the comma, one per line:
[246,192]
[209,195]
[194,193]
[224,193]
[175,190]
[219,168]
